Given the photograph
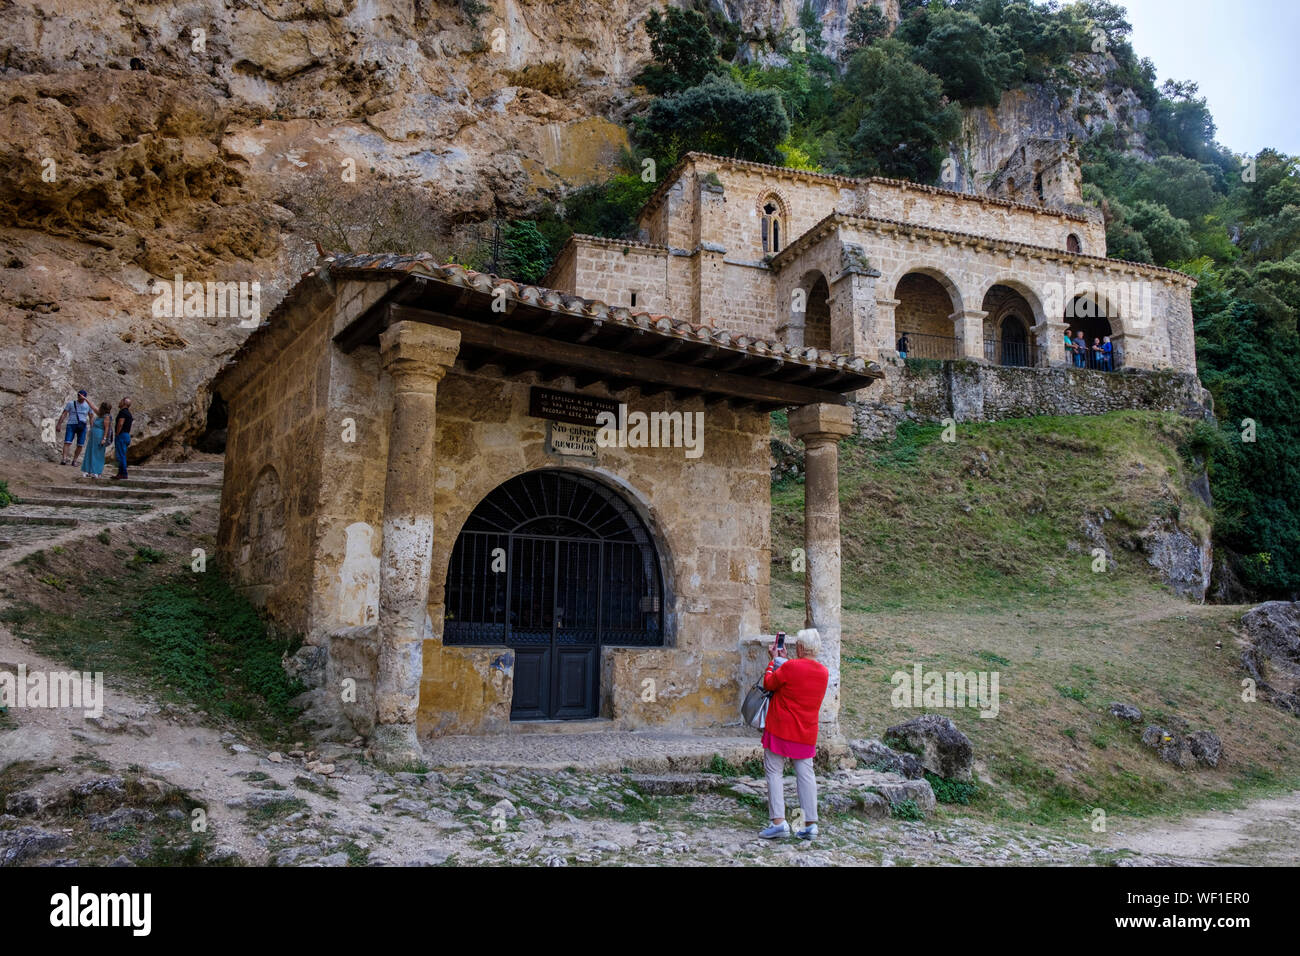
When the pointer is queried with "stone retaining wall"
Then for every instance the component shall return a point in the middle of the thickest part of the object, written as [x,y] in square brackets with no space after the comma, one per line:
[972,392]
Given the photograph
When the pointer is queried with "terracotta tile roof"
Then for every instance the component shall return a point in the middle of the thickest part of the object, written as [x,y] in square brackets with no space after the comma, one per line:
[376,267]
[876,222]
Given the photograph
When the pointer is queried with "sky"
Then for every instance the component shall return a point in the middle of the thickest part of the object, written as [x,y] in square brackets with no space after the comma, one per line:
[1245,54]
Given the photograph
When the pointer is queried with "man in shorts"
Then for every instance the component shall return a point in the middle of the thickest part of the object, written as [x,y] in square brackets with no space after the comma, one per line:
[76,414]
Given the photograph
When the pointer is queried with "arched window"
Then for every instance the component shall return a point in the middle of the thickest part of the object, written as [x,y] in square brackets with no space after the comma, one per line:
[771,225]
[262,532]
[1072,243]
[554,565]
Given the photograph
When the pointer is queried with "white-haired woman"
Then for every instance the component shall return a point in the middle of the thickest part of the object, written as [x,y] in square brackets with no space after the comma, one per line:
[798,687]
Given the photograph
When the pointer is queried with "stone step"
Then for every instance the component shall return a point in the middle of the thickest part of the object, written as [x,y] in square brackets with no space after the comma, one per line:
[167,483]
[167,468]
[114,490]
[11,519]
[16,535]
[218,464]
[561,726]
[156,473]
[41,502]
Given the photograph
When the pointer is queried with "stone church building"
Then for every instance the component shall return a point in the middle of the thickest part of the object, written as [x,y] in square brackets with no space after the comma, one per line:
[486,505]
[415,481]
[849,265]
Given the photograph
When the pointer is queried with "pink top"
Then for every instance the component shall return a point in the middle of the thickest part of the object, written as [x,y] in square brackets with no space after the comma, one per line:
[787,748]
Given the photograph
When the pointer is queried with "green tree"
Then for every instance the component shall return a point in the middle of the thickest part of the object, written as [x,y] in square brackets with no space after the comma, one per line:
[1247,360]
[974,61]
[1181,185]
[893,117]
[866,25]
[1182,122]
[525,252]
[1169,238]
[718,116]
[684,51]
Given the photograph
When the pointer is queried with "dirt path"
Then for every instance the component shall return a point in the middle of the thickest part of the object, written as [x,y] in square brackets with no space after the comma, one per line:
[1262,833]
[263,808]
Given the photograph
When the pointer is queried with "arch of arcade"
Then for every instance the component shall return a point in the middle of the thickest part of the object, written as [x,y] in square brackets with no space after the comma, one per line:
[979,278]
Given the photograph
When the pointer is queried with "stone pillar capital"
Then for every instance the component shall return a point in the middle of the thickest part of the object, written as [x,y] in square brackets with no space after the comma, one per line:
[417,355]
[819,424]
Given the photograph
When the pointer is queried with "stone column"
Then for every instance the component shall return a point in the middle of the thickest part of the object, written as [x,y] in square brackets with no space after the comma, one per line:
[968,329]
[821,427]
[1057,356]
[416,357]
[886,331]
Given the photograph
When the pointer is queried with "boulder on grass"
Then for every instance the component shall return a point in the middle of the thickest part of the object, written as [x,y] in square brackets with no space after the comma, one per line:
[1126,712]
[1205,747]
[1170,747]
[874,755]
[942,748]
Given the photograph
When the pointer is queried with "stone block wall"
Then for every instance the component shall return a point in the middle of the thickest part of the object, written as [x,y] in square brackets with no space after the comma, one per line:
[710,519]
[277,418]
[719,202]
[974,392]
[982,216]
[611,271]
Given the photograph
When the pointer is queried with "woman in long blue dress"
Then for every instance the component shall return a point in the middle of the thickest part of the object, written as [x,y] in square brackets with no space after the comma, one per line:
[98,438]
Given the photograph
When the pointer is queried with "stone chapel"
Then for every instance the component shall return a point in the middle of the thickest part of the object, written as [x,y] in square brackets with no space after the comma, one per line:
[422,478]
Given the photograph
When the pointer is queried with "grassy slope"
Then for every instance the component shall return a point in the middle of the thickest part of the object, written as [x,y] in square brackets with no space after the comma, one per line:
[128,603]
[970,556]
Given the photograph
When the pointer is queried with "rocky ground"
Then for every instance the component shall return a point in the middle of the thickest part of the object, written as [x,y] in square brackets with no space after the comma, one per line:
[153,781]
[149,784]
[145,784]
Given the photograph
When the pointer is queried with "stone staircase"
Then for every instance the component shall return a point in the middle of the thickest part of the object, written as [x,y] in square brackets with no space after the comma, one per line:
[63,510]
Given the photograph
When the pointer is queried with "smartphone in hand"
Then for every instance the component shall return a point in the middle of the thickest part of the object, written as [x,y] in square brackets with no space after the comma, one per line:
[780,643]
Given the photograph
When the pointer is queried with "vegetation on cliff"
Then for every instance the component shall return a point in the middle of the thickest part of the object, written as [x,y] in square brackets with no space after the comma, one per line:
[1170,193]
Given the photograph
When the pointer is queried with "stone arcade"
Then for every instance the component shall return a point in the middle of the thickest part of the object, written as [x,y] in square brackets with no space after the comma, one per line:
[412,483]
[832,262]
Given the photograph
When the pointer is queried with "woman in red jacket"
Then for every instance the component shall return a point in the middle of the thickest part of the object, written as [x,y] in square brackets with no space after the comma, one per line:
[798,687]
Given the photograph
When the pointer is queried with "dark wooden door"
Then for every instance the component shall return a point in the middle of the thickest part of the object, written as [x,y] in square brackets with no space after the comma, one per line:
[556,634]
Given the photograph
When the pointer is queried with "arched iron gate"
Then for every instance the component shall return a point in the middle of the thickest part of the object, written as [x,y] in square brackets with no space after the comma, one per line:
[554,565]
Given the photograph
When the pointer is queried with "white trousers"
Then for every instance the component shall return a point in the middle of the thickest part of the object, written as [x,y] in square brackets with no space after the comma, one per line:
[773,768]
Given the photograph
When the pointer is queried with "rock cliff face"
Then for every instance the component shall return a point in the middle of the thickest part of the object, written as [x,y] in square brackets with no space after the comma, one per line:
[145,140]
[141,141]
[1031,129]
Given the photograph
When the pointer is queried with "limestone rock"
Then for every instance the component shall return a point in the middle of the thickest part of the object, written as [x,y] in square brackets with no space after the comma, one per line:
[1183,560]
[22,843]
[1205,747]
[876,756]
[1169,746]
[917,791]
[1125,712]
[942,748]
[1272,654]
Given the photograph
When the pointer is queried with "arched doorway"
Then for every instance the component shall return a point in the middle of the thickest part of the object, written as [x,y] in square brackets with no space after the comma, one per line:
[924,314]
[1014,340]
[817,322]
[1009,339]
[1088,316]
[554,565]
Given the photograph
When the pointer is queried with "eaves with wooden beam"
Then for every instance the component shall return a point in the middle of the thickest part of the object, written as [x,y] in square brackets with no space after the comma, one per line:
[554,334]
